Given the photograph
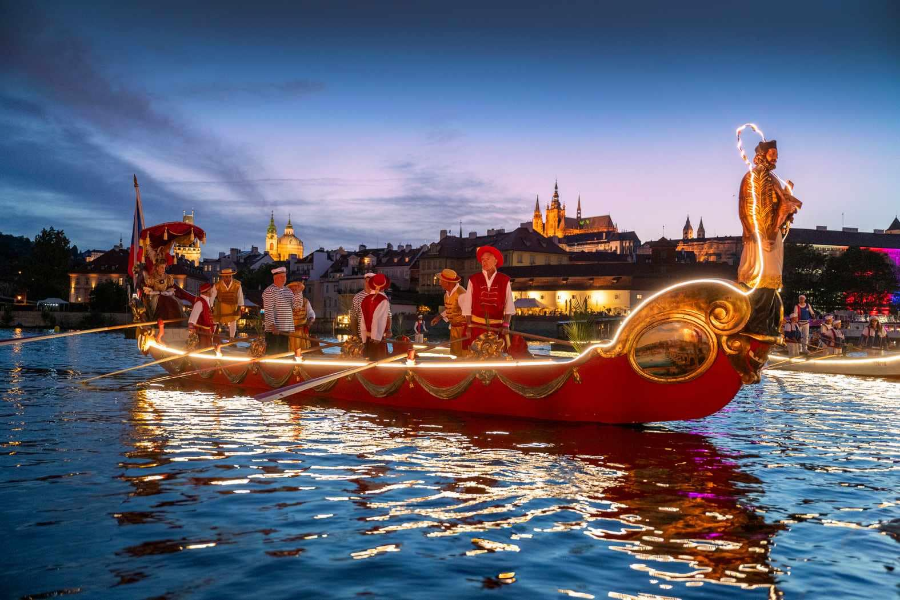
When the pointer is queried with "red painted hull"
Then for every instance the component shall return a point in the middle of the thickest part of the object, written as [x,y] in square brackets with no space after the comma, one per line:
[590,388]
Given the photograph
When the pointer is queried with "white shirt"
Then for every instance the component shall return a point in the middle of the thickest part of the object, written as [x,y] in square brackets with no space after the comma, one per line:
[310,313]
[379,320]
[465,301]
[197,310]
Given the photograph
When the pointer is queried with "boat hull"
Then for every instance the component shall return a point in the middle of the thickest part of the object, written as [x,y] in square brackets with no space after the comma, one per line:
[590,388]
[879,366]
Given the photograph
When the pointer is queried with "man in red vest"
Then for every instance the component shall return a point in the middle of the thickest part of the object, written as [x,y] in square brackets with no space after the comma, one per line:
[201,319]
[488,303]
[373,326]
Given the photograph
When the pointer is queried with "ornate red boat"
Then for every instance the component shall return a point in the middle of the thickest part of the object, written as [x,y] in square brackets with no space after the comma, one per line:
[680,355]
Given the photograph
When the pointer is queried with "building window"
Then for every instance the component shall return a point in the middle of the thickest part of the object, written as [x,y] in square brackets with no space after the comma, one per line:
[519,259]
[638,296]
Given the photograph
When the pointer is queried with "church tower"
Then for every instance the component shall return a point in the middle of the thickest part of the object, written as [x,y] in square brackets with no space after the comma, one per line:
[272,238]
[554,212]
[537,221]
[289,229]
[578,210]
[701,232]
[688,232]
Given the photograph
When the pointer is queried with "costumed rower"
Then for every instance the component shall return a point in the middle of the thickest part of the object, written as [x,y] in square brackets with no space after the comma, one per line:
[873,335]
[488,302]
[229,301]
[420,330]
[792,336]
[357,303]
[201,319]
[159,296]
[452,313]
[828,336]
[804,312]
[767,208]
[304,316]
[278,306]
[373,325]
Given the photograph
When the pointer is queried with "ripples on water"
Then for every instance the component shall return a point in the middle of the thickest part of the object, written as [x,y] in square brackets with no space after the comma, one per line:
[192,492]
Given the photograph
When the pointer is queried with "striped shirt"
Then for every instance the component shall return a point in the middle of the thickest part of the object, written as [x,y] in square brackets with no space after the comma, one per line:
[278,306]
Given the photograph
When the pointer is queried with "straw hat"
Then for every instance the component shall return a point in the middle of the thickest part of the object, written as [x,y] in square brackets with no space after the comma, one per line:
[226,272]
[450,276]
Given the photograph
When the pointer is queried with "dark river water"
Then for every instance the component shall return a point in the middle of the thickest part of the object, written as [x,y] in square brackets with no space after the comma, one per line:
[189,492]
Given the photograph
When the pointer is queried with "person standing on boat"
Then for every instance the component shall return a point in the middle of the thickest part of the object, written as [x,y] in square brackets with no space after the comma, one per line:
[304,317]
[228,297]
[278,307]
[452,313]
[159,296]
[827,335]
[766,210]
[488,303]
[420,330]
[792,336]
[201,319]
[804,313]
[873,335]
[374,323]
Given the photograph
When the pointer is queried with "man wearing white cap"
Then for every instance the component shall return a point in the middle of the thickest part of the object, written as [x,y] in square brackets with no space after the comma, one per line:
[828,336]
[278,307]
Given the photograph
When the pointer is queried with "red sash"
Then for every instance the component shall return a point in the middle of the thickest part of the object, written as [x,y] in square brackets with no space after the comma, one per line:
[369,304]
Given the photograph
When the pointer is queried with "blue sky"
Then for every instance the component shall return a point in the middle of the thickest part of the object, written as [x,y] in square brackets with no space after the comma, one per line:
[374,122]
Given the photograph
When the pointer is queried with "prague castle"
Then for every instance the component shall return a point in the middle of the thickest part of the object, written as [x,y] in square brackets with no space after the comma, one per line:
[557,224]
[281,248]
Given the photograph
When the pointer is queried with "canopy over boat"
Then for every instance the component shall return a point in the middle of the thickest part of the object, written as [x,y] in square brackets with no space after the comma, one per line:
[174,231]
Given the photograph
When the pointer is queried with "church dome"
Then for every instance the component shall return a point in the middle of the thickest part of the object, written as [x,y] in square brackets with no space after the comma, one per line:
[290,244]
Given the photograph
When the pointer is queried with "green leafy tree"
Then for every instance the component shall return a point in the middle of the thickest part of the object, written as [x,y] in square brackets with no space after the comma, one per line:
[48,267]
[108,296]
[802,274]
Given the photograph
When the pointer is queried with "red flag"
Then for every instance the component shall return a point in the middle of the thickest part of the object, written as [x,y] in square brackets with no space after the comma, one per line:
[135,252]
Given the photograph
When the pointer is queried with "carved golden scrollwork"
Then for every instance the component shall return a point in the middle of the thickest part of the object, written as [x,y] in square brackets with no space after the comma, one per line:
[257,348]
[712,311]
[353,348]
[143,339]
[192,342]
[488,346]
[747,354]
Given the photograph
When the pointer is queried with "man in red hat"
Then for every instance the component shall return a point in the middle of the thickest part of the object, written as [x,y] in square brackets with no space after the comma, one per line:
[373,323]
[201,319]
[488,302]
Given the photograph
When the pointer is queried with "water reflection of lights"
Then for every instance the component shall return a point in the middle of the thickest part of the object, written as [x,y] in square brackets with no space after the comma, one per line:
[669,500]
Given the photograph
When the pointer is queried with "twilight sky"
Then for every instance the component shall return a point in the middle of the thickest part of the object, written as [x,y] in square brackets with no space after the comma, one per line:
[372,122]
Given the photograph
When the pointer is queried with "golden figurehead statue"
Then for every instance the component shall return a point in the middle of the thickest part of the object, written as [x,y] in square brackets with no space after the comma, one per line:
[766,209]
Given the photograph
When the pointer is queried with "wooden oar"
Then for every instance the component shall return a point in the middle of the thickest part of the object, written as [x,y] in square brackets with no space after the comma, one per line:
[312,383]
[236,364]
[533,336]
[163,360]
[53,336]
[808,359]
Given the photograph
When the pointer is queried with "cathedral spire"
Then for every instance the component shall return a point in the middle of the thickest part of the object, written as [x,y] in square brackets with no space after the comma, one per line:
[271,228]
[537,205]
[578,211]
[701,231]
[688,232]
